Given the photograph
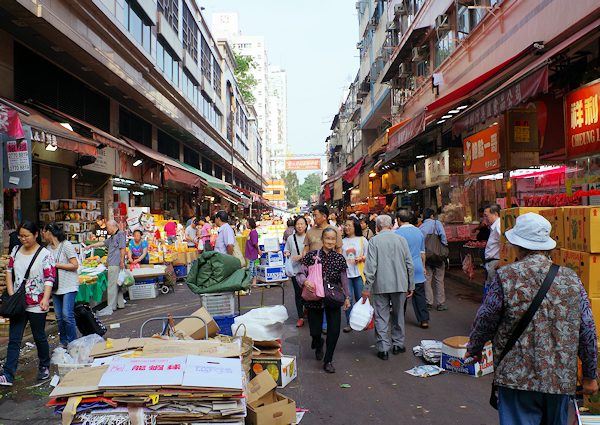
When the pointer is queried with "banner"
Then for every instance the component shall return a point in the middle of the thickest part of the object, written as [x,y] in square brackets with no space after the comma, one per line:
[583,126]
[407,132]
[10,123]
[303,164]
[481,151]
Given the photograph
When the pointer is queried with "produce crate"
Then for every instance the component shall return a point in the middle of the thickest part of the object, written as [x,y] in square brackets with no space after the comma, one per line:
[142,291]
[181,271]
[221,304]
[225,323]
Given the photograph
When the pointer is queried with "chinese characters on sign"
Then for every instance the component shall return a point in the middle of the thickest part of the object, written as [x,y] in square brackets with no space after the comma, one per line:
[481,151]
[583,127]
[302,164]
[18,156]
[437,169]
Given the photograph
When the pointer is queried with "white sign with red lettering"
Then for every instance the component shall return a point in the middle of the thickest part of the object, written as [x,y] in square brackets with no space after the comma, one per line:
[213,372]
[141,372]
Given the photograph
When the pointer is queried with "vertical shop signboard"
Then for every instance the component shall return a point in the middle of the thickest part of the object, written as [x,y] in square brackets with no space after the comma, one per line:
[482,151]
[523,139]
[582,121]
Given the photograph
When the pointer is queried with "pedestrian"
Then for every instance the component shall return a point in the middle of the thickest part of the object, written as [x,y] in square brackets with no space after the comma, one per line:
[137,249]
[492,248]
[537,376]
[354,249]
[190,221]
[293,252]
[170,230]
[116,244]
[66,265]
[334,273]
[389,274]
[204,234]
[364,225]
[252,250]
[191,234]
[32,257]
[99,231]
[434,273]
[226,235]
[335,221]
[289,231]
[416,244]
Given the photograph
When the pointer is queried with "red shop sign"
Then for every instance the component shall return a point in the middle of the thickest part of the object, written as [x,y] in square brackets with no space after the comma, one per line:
[583,126]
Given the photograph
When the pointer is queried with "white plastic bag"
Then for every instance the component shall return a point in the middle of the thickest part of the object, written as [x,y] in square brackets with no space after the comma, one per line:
[262,324]
[126,279]
[361,315]
[61,356]
[81,348]
[289,267]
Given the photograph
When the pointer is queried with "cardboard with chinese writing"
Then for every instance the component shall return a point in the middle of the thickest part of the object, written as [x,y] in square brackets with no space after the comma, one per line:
[211,348]
[213,372]
[144,372]
[79,382]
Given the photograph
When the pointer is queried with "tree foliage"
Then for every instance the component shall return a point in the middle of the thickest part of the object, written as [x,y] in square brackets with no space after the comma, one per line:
[310,186]
[291,187]
[243,75]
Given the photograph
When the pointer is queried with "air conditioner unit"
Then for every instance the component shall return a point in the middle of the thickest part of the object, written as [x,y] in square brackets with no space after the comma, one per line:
[419,54]
[359,100]
[400,10]
[442,23]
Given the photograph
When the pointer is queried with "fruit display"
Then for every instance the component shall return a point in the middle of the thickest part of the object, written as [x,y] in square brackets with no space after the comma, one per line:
[94,261]
[87,280]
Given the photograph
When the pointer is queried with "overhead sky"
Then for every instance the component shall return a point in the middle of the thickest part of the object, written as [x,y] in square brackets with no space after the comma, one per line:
[315,42]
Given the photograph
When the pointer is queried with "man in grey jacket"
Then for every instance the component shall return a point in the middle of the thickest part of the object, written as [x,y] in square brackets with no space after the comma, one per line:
[389,274]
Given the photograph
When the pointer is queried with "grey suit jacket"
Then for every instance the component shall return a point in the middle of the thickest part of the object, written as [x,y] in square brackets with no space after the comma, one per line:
[389,266]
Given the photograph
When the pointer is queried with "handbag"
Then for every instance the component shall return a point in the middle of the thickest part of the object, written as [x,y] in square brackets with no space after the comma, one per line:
[289,264]
[334,294]
[87,322]
[435,251]
[56,260]
[14,306]
[315,275]
[522,325]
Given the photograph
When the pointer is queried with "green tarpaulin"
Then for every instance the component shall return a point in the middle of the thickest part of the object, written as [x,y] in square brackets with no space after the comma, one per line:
[216,272]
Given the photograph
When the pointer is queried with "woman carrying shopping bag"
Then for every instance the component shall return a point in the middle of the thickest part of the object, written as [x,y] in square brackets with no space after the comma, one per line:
[30,274]
[293,251]
[335,295]
[66,265]
[354,250]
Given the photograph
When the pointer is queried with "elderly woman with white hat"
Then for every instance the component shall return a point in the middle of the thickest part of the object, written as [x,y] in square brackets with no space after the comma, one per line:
[538,316]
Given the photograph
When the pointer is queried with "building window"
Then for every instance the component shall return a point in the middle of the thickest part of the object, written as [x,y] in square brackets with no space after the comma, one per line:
[167,63]
[170,10]
[137,25]
[217,74]
[190,33]
[443,48]
[206,59]
[463,23]
[189,86]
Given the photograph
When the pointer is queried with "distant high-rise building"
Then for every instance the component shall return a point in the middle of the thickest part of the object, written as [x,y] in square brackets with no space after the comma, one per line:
[278,120]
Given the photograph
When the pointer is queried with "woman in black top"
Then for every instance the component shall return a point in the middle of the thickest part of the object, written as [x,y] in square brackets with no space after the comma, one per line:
[334,273]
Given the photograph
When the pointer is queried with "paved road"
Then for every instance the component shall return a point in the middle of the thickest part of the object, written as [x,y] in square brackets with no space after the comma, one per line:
[381,392]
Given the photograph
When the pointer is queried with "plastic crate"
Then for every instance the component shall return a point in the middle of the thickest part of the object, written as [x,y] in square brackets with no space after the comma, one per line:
[221,304]
[225,323]
[142,291]
[181,271]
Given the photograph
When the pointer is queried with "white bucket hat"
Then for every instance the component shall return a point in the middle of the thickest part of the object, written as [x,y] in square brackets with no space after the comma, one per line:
[532,231]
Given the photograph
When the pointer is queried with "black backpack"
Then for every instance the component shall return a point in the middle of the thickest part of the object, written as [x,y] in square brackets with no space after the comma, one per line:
[87,322]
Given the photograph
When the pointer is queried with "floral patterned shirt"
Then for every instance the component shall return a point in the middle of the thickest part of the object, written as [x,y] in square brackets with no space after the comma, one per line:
[544,359]
[334,271]
[41,275]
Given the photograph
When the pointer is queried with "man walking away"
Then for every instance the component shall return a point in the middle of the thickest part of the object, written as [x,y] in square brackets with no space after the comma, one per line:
[416,244]
[389,274]
[434,273]
[492,248]
[538,375]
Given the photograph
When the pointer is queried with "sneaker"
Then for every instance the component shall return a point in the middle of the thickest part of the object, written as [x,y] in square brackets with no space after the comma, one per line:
[425,324]
[300,323]
[347,329]
[5,382]
[43,374]
[429,306]
[442,307]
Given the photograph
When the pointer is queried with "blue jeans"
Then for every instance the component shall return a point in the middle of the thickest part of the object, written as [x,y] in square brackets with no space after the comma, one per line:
[64,308]
[252,268]
[355,289]
[37,321]
[516,407]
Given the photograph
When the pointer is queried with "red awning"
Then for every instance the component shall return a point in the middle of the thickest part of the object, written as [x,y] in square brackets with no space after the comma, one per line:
[327,193]
[408,131]
[352,172]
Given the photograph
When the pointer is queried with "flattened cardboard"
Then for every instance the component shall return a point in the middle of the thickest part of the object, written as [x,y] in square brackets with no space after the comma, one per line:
[211,348]
[110,347]
[79,381]
[194,328]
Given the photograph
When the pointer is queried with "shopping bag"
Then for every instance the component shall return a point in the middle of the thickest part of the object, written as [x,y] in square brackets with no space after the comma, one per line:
[361,315]
[237,253]
[315,275]
[435,251]
[289,268]
[126,279]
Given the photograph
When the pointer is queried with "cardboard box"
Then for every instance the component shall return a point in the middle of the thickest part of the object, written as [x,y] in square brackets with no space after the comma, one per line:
[508,216]
[556,257]
[191,256]
[282,369]
[265,405]
[587,267]
[272,259]
[194,328]
[556,218]
[453,355]
[508,252]
[582,229]
[271,274]
[180,259]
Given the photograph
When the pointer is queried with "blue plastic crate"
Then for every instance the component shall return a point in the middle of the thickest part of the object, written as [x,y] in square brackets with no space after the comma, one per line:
[180,271]
[225,323]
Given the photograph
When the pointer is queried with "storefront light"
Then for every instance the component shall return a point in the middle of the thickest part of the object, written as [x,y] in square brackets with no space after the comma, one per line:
[137,163]
[138,193]
[74,176]
[420,156]
[118,189]
[51,147]
[372,174]
[66,125]
[149,186]
[445,117]
[441,122]
[453,111]
[412,192]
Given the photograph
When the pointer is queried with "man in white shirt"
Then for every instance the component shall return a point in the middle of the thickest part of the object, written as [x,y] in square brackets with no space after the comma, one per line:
[226,238]
[492,248]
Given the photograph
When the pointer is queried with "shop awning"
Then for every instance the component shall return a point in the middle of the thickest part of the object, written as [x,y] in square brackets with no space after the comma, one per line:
[211,181]
[352,172]
[530,81]
[42,127]
[98,135]
[407,131]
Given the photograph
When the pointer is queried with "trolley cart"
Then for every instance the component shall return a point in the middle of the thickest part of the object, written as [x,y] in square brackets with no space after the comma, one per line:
[262,287]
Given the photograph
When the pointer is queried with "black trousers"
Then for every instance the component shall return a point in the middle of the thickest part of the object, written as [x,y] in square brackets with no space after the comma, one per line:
[419,303]
[315,323]
[298,298]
